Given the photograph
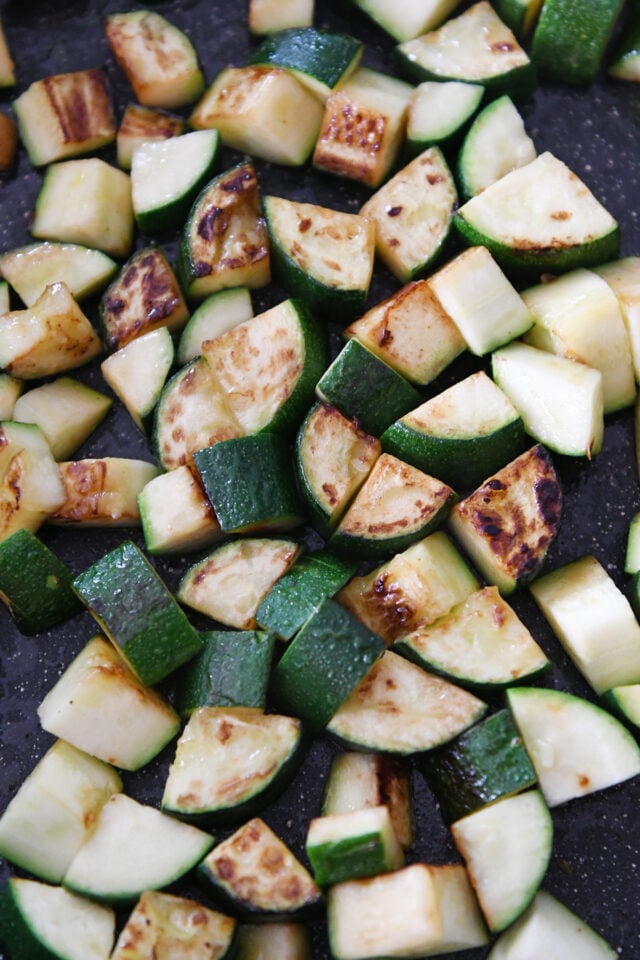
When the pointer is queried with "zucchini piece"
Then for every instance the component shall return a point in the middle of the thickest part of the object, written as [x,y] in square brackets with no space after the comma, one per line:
[51,336]
[54,810]
[571,50]
[269,365]
[5,299]
[482,765]
[623,276]
[87,704]
[230,583]
[161,924]
[495,144]
[8,143]
[396,505]
[540,218]
[157,58]
[507,848]
[625,61]
[360,780]
[258,877]
[480,643]
[438,111]
[509,522]
[142,125]
[133,848]
[361,843]
[401,709]
[167,175]
[231,670]
[323,256]
[86,201]
[224,243]
[548,927]
[560,400]
[269,16]
[229,763]
[333,458]
[520,15]
[575,746]
[624,701]
[365,389]
[299,592]
[31,487]
[65,115]
[578,316]
[410,19]
[10,390]
[486,308]
[31,268]
[412,215]
[138,613]
[319,59]
[137,373]
[41,598]
[175,513]
[474,47]
[66,410]
[37,920]
[363,127]
[593,620]
[102,492]
[193,412]
[460,435]
[632,554]
[274,941]
[324,662]
[7,66]
[263,111]
[414,587]
[217,314]
[144,296]
[410,332]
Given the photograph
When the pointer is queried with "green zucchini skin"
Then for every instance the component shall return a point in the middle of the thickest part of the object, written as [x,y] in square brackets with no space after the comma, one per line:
[325,56]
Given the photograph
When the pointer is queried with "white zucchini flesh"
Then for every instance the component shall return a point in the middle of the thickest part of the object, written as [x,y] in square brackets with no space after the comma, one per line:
[164,171]
[506,846]
[549,929]
[575,746]
[410,18]
[496,143]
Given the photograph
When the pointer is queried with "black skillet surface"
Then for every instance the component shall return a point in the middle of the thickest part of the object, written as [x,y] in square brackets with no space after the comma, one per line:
[595,130]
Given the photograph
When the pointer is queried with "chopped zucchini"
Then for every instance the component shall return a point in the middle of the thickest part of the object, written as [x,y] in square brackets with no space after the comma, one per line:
[361,843]
[133,848]
[269,16]
[175,514]
[162,924]
[411,18]
[480,642]
[157,58]
[509,522]
[31,487]
[411,332]
[263,111]
[520,15]
[102,492]
[401,709]
[274,941]
[229,763]
[89,702]
[363,127]
[495,144]
[571,36]
[142,125]
[323,256]
[230,583]
[412,215]
[319,59]
[632,554]
[138,613]
[66,410]
[54,810]
[225,243]
[623,276]
[438,112]
[86,201]
[396,505]
[217,314]
[540,218]
[65,115]
[258,877]
[51,336]
[414,587]
[137,373]
[31,268]
[460,435]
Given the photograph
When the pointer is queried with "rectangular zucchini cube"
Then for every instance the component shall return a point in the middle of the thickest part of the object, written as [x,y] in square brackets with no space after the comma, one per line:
[361,843]
[250,483]
[138,613]
[323,664]
[231,670]
[175,513]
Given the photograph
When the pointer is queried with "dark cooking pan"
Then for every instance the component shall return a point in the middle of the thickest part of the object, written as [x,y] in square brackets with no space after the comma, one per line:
[595,130]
